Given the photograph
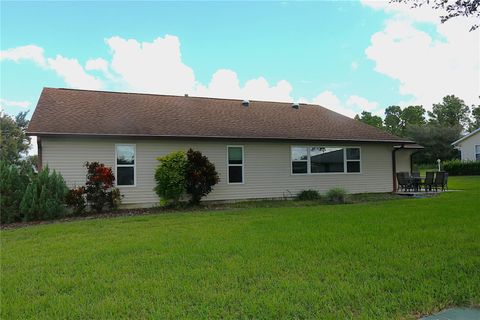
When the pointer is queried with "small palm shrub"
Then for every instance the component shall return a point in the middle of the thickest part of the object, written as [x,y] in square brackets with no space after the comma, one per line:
[336,195]
[44,197]
[308,195]
[75,199]
[170,176]
[114,198]
[200,176]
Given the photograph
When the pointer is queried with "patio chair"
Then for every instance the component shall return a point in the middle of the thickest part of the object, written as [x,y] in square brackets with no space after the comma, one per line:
[440,181]
[428,182]
[404,182]
[416,181]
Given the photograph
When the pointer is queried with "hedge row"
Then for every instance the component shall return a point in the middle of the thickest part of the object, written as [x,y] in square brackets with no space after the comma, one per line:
[462,168]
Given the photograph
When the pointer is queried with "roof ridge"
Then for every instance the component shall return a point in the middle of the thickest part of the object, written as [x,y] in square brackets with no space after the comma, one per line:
[177,96]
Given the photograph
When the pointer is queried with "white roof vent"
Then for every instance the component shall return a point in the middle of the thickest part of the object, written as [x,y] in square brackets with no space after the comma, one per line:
[295,105]
[245,103]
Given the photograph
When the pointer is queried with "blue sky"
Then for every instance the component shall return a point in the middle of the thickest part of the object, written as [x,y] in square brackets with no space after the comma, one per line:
[346,55]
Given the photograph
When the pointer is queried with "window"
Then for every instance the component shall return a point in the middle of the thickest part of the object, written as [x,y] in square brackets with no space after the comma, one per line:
[353,159]
[477,152]
[318,159]
[299,159]
[326,160]
[125,164]
[235,164]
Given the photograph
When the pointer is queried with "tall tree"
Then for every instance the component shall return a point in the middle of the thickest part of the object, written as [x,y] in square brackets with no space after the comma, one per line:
[14,142]
[451,112]
[368,118]
[475,123]
[413,115]
[436,141]
[453,8]
[393,120]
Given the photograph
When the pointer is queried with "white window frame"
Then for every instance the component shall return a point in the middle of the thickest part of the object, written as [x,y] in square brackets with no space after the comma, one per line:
[126,165]
[236,165]
[325,173]
[353,160]
[475,152]
[307,161]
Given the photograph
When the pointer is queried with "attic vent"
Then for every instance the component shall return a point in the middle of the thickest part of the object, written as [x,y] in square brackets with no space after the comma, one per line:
[245,103]
[295,105]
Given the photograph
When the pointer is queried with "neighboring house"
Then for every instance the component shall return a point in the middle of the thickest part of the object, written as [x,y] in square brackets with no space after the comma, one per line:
[469,146]
[260,149]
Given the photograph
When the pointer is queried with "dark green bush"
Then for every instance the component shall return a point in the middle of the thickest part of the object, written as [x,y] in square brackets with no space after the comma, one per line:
[308,195]
[336,195]
[462,168]
[44,197]
[170,176]
[13,182]
[200,176]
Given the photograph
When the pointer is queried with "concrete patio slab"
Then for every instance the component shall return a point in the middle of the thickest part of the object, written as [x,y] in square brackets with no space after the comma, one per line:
[456,314]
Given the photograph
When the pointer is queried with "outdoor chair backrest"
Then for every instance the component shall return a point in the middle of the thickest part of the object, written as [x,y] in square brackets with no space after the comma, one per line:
[429,177]
[416,174]
[401,178]
[440,178]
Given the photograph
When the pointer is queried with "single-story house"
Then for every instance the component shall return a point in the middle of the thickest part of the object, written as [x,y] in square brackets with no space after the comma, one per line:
[260,149]
[469,146]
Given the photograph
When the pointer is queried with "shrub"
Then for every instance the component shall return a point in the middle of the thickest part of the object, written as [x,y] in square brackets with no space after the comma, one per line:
[462,168]
[13,182]
[114,198]
[75,199]
[99,186]
[44,197]
[336,195]
[200,176]
[308,195]
[170,176]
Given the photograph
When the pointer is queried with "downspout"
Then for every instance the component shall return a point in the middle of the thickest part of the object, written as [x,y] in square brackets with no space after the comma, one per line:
[394,166]
[40,160]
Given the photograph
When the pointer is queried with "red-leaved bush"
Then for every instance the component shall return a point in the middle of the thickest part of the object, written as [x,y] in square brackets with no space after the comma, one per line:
[99,187]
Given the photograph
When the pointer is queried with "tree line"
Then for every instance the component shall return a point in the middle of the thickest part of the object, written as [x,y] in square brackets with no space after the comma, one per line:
[435,130]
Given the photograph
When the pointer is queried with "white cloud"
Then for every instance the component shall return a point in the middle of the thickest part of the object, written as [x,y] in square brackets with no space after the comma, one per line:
[362,103]
[225,84]
[9,104]
[154,67]
[69,69]
[427,67]
[73,73]
[157,67]
[354,65]
[329,100]
[31,52]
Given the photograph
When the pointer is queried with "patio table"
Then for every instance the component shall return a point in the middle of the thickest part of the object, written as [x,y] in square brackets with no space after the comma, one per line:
[416,183]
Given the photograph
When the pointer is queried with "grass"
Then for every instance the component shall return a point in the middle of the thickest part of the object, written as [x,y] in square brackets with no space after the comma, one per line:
[374,260]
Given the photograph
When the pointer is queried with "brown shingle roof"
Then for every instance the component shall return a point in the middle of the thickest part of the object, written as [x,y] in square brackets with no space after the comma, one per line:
[69,111]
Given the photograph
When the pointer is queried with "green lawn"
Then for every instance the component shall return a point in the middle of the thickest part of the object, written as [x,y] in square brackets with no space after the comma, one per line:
[388,259]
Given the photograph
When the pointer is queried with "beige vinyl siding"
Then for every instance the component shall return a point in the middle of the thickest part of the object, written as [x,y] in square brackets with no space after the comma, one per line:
[403,163]
[267,166]
[467,146]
